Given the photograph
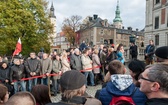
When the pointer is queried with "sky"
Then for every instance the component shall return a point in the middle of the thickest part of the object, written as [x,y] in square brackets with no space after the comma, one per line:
[132,11]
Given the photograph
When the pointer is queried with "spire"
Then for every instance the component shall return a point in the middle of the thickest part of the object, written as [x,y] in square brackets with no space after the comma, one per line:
[52,15]
[117,14]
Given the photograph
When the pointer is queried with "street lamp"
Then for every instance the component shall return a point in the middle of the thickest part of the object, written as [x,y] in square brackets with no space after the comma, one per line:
[132,38]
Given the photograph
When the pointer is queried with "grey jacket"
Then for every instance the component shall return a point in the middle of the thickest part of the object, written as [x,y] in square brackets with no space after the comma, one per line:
[46,66]
[76,62]
[56,68]
[103,56]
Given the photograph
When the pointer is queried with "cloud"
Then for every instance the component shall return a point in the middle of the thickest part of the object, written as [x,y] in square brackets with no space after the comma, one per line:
[132,11]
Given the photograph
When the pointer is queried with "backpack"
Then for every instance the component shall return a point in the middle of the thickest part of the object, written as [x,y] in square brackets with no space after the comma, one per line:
[123,100]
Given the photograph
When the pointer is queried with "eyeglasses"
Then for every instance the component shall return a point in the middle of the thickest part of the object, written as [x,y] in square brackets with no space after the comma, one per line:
[141,77]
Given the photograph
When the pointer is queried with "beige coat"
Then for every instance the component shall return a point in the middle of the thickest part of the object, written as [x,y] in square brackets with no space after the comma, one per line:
[92,101]
[96,62]
[86,62]
[65,65]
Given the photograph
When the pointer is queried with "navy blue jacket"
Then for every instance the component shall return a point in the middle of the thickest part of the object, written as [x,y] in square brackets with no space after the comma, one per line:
[106,94]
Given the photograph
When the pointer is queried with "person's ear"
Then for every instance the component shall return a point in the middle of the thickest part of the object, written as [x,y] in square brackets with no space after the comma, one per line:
[125,70]
[155,86]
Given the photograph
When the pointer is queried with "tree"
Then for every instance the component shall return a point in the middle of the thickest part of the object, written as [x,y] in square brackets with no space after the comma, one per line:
[27,19]
[70,26]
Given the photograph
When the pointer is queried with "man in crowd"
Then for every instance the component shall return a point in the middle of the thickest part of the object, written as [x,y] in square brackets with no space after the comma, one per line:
[120,85]
[133,50]
[17,73]
[103,56]
[162,54]
[21,98]
[149,53]
[46,63]
[32,66]
[74,90]
[100,50]
[154,83]
[75,60]
[82,46]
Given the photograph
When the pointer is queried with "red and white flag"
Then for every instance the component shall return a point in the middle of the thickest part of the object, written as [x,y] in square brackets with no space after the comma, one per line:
[18,48]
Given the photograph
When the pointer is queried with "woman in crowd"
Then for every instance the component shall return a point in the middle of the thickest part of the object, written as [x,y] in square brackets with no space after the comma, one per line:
[65,62]
[96,62]
[56,70]
[87,65]
[110,57]
[41,94]
[4,95]
[136,67]
[4,76]
[120,53]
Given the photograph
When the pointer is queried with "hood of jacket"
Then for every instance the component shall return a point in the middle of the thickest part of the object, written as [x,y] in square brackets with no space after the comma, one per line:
[120,85]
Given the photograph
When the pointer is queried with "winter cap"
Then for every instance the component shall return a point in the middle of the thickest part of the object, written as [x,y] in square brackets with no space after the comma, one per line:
[162,52]
[72,79]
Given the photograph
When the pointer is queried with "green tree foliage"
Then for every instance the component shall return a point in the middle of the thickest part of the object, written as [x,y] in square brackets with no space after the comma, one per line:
[70,26]
[27,19]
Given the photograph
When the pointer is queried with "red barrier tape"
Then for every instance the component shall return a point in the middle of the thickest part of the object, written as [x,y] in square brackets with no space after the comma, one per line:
[44,75]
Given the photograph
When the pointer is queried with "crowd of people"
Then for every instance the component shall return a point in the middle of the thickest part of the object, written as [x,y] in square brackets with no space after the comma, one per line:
[74,69]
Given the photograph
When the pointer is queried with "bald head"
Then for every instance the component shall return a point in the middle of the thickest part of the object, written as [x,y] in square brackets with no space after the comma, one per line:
[21,98]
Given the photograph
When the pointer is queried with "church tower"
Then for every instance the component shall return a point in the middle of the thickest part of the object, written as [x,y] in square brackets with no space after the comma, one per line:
[117,22]
[53,22]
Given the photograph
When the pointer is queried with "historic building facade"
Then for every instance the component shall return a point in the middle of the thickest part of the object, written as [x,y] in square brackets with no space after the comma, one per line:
[96,31]
[61,41]
[156,25]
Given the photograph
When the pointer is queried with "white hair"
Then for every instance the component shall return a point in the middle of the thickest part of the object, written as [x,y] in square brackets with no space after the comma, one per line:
[76,50]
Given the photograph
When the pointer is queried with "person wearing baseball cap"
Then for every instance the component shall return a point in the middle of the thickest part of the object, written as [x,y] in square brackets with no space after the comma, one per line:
[73,90]
[162,54]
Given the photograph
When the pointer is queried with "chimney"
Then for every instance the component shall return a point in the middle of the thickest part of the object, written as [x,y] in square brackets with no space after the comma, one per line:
[95,16]
[130,28]
[136,29]
[90,18]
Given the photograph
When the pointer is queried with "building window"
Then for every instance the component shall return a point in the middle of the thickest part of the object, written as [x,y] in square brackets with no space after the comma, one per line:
[102,31]
[101,40]
[156,22]
[157,1]
[157,40]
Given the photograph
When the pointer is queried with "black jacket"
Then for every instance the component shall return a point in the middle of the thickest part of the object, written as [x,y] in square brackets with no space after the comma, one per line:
[150,50]
[17,72]
[111,57]
[134,50]
[32,65]
[157,101]
[4,74]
